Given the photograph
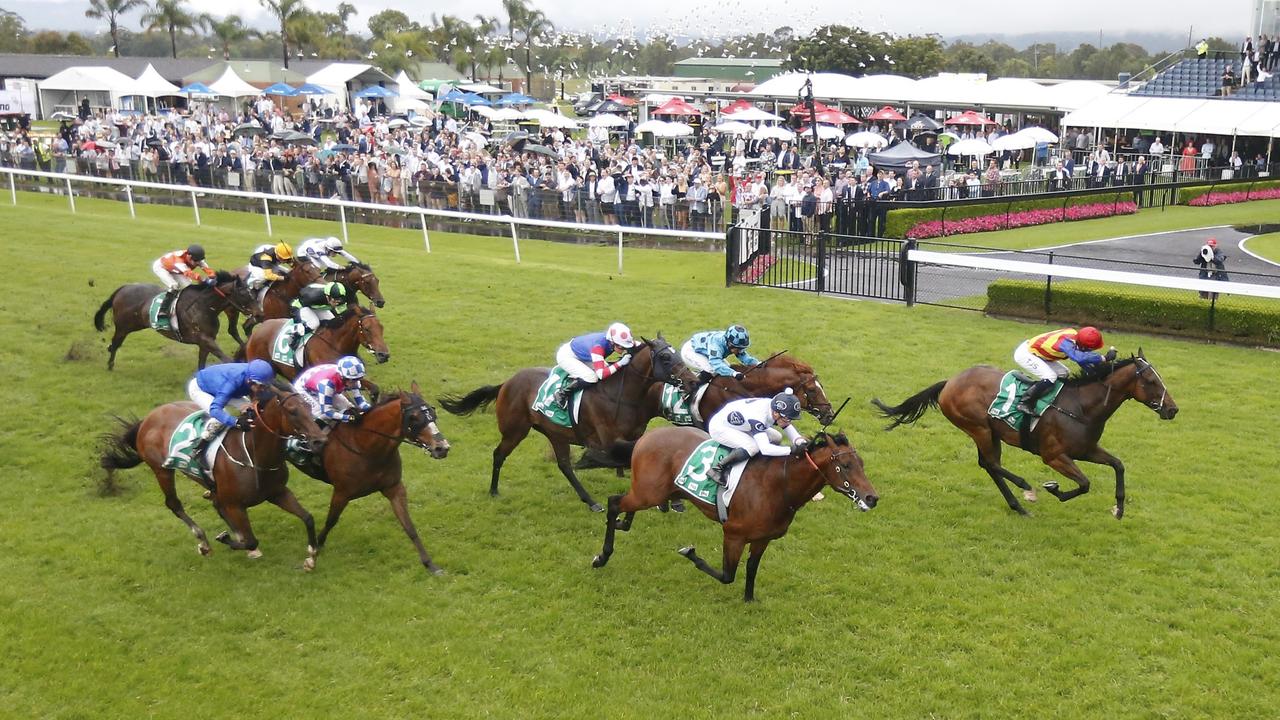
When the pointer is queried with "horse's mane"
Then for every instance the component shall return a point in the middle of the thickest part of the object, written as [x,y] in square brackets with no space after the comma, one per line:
[790,361]
[824,438]
[1100,371]
[222,276]
[361,265]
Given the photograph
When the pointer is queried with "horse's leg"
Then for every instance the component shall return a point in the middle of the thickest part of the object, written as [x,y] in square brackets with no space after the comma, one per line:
[610,525]
[565,462]
[989,460]
[1028,493]
[1067,467]
[625,523]
[210,345]
[509,442]
[1102,457]
[232,316]
[117,339]
[171,501]
[399,499]
[241,536]
[288,502]
[753,564]
[337,503]
[732,554]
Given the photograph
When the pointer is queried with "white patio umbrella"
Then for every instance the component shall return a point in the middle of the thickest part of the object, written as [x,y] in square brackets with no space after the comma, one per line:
[1038,135]
[546,118]
[733,127]
[607,120]
[866,139]
[773,131]
[753,115]
[976,147]
[674,130]
[1012,142]
[651,126]
[825,132]
[507,113]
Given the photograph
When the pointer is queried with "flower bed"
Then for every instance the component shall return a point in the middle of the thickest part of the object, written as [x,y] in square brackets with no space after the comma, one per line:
[1226,198]
[1021,218]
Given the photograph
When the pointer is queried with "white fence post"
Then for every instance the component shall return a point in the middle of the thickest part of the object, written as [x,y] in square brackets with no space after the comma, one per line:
[425,240]
[71,196]
[13,189]
[619,252]
[266,212]
[195,207]
[515,240]
[128,191]
[342,212]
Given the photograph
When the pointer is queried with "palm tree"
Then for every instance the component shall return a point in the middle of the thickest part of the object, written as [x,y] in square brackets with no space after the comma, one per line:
[533,25]
[228,30]
[170,16]
[484,28]
[516,10]
[112,10]
[286,11]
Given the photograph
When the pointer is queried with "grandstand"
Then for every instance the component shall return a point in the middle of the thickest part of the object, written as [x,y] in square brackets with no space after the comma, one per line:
[1202,77]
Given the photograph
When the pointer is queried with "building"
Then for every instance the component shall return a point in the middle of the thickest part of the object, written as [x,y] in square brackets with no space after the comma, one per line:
[753,70]
[1266,17]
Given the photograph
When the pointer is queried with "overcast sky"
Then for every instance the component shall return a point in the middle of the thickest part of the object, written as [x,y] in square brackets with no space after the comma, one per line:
[1227,18]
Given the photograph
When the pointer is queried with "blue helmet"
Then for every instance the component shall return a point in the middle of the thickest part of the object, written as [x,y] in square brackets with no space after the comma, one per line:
[350,367]
[737,336]
[260,371]
[786,404]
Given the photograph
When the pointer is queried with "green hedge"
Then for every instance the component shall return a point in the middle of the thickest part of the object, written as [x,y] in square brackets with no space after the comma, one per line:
[1255,321]
[1187,194]
[899,222]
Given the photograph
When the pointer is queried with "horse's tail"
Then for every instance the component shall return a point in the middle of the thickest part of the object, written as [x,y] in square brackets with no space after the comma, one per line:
[121,448]
[100,317]
[481,397]
[911,409]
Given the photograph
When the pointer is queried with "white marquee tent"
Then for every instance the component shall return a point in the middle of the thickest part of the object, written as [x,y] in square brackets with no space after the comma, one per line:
[150,84]
[953,90]
[103,86]
[1183,115]
[343,79]
[232,85]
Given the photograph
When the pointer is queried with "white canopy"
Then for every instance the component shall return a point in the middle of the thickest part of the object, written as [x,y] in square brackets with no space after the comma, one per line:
[479,88]
[1265,121]
[91,79]
[949,90]
[1160,114]
[753,115]
[506,113]
[1013,92]
[409,89]
[1217,118]
[866,139]
[335,78]
[773,131]
[607,120]
[150,84]
[1184,115]
[1105,111]
[231,85]
[825,132]
[733,127]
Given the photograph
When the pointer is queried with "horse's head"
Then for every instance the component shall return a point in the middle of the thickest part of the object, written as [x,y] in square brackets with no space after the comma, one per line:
[418,424]
[805,385]
[303,273]
[665,363]
[361,277]
[1148,388]
[238,294]
[841,467]
[285,413]
[369,333]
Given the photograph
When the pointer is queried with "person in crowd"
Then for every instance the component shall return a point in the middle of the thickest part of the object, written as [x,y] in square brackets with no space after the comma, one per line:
[586,359]
[746,425]
[320,252]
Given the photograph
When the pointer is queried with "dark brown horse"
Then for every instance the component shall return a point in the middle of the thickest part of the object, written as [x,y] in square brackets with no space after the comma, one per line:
[357,277]
[276,300]
[197,312]
[344,335]
[766,500]
[768,378]
[249,468]
[363,457]
[1068,431]
[612,410]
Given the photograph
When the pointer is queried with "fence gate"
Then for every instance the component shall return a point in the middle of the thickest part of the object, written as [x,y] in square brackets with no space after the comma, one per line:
[818,262]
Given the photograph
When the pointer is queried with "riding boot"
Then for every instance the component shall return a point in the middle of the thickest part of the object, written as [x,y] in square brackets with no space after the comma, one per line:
[566,391]
[716,473]
[691,387]
[166,307]
[211,429]
[1027,405]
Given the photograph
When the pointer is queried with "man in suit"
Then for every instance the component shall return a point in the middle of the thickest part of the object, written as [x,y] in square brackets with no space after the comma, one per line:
[787,158]
[880,195]
[929,183]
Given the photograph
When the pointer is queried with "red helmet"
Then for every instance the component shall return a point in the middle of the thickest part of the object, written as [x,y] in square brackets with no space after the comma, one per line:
[1089,338]
[1213,242]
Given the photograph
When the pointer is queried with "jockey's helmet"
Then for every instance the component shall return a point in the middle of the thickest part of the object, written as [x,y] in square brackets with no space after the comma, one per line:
[786,404]
[260,371]
[283,251]
[332,244]
[350,367]
[1089,338]
[737,336]
[196,252]
[335,291]
[620,335]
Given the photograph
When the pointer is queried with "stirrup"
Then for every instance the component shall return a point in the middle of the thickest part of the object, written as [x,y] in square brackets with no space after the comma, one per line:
[716,475]
[1025,410]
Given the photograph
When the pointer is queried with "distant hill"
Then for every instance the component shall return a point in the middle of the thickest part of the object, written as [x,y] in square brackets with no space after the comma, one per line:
[1151,41]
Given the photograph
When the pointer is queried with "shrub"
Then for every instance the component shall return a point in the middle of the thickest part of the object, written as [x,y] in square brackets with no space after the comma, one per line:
[1228,198]
[1022,218]
[1190,195]
[1175,312]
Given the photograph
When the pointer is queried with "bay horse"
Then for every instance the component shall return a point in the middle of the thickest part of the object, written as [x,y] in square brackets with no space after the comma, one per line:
[357,277]
[363,457]
[1069,430]
[765,502]
[343,335]
[249,468]
[276,300]
[611,410]
[196,310]
[769,378]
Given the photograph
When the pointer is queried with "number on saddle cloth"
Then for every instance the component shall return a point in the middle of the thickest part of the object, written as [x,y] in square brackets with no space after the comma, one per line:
[182,444]
[1012,387]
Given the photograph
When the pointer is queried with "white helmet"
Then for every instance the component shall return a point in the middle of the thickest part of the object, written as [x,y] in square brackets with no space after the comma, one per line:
[620,335]
[332,244]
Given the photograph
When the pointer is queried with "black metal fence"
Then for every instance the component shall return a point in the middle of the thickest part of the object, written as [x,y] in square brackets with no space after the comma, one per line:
[813,260]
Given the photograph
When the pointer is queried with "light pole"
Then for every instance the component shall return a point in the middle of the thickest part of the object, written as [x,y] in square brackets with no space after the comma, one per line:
[806,96]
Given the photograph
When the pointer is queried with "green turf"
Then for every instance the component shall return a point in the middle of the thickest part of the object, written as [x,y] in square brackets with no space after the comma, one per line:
[1265,246]
[938,603]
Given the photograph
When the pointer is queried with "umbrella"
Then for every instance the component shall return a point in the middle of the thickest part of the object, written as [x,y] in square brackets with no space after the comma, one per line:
[515,99]
[243,130]
[155,142]
[376,91]
[676,106]
[773,131]
[309,89]
[1015,141]
[803,108]
[507,113]
[887,113]
[518,136]
[542,150]
[61,115]
[609,106]
[733,127]
[948,134]
[281,89]
[1038,135]
[344,148]
[325,154]
[197,89]
[607,120]
[969,117]
[105,144]
[398,123]
[754,114]
[969,147]
[474,99]
[825,132]
[866,139]
[674,130]
[920,122]
[621,100]
[836,117]
[476,139]
[651,126]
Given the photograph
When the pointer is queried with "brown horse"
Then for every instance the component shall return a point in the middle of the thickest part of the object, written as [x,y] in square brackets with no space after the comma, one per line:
[357,277]
[768,378]
[363,457]
[275,301]
[197,312]
[343,335]
[611,410]
[1067,432]
[248,470]
[768,495]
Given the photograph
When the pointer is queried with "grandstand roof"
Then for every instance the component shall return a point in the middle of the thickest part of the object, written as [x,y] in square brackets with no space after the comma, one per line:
[954,90]
[1184,115]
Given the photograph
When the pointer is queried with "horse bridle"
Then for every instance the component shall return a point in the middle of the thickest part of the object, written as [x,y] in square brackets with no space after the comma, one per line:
[231,302]
[810,396]
[1144,366]
[407,434]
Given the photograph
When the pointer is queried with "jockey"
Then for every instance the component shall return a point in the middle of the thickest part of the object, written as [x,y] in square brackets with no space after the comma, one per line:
[316,303]
[217,386]
[265,264]
[328,385]
[593,348]
[1041,356]
[747,426]
[179,269]
[319,252]
[707,352]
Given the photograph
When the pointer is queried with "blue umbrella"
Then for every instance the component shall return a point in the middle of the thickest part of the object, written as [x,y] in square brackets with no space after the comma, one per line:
[196,89]
[515,99]
[309,89]
[280,89]
[474,99]
[375,91]
[454,95]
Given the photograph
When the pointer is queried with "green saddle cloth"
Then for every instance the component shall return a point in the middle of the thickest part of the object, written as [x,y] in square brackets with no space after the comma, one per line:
[158,321]
[692,477]
[283,349]
[545,400]
[182,443]
[676,406]
[1012,387]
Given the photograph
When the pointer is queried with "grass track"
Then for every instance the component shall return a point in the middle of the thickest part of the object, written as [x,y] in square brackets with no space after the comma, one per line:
[938,603]
[1266,246]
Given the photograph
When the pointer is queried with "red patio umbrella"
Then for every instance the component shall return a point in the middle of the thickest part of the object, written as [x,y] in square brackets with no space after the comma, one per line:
[969,117]
[735,106]
[886,113]
[831,116]
[802,109]
[622,99]
[677,106]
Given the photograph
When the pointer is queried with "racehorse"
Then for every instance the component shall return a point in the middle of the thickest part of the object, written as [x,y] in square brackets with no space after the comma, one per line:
[249,467]
[196,310]
[357,276]
[363,457]
[765,502]
[768,378]
[612,410]
[343,335]
[1067,432]
[276,300]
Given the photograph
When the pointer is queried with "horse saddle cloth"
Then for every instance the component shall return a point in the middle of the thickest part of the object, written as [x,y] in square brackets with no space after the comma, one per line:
[284,349]
[182,442]
[160,316]
[678,409]
[693,479]
[1012,387]
[544,401]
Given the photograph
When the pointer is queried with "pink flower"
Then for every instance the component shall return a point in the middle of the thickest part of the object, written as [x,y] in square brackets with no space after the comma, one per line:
[1226,198]
[1022,218]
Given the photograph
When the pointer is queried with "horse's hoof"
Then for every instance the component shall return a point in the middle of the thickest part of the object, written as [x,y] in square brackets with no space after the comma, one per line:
[1117,511]
[1030,495]
[207,494]
[686,551]
[204,549]
[435,570]
[253,554]
[598,561]
[664,507]
[1051,486]
[819,496]
[677,506]
[223,537]
[309,564]
[595,507]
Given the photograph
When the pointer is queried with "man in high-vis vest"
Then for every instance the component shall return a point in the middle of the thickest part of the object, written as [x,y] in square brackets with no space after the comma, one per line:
[1042,357]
